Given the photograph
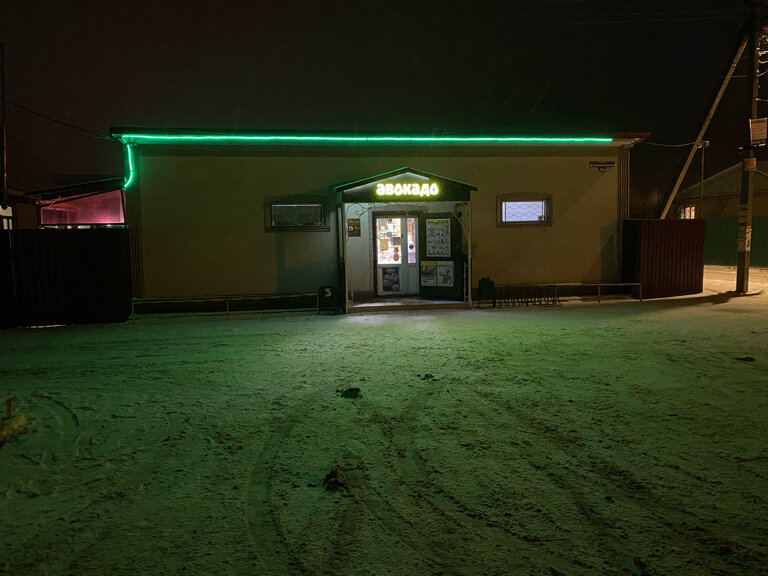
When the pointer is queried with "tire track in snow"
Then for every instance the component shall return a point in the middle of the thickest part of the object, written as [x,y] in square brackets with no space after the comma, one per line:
[471,522]
[580,472]
[565,465]
[281,552]
[61,419]
[444,522]
[268,541]
[350,512]
[278,550]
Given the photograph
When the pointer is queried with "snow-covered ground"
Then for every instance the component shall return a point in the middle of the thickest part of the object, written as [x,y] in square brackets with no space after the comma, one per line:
[616,438]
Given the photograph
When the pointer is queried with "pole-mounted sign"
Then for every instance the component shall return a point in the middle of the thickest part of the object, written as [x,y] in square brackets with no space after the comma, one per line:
[758,131]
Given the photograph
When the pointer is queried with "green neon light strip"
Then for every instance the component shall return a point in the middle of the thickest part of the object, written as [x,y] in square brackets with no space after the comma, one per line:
[127,139]
[352,139]
[129,180]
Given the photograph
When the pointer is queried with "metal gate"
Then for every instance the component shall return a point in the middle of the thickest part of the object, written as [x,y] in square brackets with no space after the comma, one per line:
[666,256]
[722,240]
[50,276]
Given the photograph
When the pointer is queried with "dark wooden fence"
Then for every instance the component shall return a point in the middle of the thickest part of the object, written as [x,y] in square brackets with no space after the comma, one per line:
[64,277]
[666,256]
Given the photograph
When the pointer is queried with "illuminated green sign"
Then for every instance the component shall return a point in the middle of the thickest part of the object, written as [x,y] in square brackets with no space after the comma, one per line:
[407,189]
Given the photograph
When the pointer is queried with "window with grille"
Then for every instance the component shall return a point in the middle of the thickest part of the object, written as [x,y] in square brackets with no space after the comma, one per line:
[524,209]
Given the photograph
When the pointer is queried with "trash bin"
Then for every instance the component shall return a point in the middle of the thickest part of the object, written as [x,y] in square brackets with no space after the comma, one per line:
[486,291]
[326,299]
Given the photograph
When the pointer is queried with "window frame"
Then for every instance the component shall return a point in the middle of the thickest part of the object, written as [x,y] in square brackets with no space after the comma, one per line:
[510,197]
[71,207]
[272,226]
[6,217]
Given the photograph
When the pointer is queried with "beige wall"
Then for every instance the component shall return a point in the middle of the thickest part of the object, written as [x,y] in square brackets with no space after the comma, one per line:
[582,242]
[359,267]
[202,226]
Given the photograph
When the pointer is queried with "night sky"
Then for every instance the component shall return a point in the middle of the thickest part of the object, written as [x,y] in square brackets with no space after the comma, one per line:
[544,67]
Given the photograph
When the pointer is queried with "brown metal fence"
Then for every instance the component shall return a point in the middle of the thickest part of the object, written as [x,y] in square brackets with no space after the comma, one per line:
[666,256]
[64,277]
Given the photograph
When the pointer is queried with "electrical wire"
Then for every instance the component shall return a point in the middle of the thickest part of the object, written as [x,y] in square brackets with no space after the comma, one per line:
[667,145]
[638,17]
[57,121]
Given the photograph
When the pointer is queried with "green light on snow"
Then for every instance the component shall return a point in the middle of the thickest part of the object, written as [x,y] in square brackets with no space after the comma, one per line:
[130,167]
[149,138]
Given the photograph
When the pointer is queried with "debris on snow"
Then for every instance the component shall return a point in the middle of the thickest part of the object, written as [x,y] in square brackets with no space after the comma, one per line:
[8,405]
[12,427]
[335,480]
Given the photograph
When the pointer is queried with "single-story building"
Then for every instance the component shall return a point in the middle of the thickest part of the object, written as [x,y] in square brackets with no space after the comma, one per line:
[371,217]
[720,193]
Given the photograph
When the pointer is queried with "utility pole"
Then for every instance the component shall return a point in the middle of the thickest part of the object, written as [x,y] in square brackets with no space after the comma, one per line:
[673,193]
[3,156]
[750,163]
[700,214]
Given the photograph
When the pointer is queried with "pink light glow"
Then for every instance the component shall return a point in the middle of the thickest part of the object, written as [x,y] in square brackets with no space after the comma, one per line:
[105,208]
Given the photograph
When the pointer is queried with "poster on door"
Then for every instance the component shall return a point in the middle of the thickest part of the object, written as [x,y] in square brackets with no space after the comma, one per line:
[428,273]
[390,279]
[438,238]
[445,274]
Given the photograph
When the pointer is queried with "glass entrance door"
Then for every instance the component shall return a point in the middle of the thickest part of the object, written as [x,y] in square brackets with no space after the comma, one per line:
[396,249]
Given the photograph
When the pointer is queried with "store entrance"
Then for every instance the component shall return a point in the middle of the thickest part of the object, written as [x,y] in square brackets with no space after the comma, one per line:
[406,242]
[395,240]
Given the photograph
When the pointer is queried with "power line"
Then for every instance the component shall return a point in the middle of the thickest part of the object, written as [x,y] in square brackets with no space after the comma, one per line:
[667,145]
[57,121]
[585,20]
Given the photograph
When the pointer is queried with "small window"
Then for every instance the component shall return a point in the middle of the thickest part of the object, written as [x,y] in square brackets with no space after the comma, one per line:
[102,209]
[688,212]
[297,215]
[524,209]
[6,215]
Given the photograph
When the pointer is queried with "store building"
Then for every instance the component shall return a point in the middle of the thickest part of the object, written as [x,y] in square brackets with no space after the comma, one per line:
[371,217]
